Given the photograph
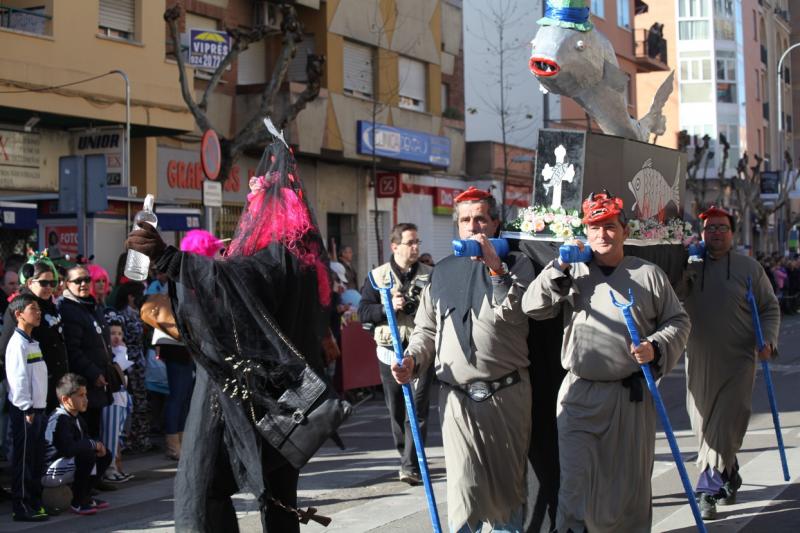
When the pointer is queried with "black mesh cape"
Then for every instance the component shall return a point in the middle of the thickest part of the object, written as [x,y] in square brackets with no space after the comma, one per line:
[268,292]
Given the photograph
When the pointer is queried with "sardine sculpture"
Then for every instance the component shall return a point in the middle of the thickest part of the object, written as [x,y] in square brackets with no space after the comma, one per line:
[652,192]
[570,58]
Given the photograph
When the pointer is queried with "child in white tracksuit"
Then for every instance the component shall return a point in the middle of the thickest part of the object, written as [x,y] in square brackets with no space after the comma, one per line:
[26,373]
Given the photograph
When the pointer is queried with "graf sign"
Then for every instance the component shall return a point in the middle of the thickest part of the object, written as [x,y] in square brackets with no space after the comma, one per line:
[207,48]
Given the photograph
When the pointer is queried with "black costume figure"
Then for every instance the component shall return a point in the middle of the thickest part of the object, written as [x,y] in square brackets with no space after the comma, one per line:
[238,313]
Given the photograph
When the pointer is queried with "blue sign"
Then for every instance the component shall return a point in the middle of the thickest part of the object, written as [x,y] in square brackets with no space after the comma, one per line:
[207,48]
[177,218]
[408,145]
[15,215]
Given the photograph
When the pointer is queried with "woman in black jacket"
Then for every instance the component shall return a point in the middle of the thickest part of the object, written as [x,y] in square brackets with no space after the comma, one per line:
[88,345]
[40,280]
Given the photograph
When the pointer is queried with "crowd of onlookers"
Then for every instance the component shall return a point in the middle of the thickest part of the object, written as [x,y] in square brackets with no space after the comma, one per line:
[784,275]
[84,381]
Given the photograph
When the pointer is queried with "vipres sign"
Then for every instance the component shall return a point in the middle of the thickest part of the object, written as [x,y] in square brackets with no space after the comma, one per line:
[408,145]
[207,48]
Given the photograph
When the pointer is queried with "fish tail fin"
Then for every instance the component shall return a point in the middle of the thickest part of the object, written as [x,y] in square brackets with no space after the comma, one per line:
[654,121]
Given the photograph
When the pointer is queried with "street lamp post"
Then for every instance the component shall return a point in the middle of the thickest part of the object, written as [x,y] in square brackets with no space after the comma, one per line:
[126,154]
[781,134]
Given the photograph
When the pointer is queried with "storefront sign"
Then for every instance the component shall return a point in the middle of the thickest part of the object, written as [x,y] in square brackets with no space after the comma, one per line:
[15,215]
[212,193]
[107,141]
[20,158]
[444,200]
[387,185]
[65,238]
[180,177]
[408,145]
[207,48]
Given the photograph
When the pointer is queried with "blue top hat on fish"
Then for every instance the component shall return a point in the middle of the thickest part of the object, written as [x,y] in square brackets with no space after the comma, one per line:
[571,58]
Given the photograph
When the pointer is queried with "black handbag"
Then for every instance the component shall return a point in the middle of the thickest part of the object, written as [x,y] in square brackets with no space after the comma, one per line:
[305,414]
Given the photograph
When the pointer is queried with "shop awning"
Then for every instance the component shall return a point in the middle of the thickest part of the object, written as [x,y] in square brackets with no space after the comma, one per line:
[178,218]
[15,215]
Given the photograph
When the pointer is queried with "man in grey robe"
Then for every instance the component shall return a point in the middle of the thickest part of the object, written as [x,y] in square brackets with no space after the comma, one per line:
[470,326]
[721,355]
[606,416]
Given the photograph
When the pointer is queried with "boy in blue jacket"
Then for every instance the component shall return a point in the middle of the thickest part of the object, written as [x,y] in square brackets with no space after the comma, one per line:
[26,373]
[73,456]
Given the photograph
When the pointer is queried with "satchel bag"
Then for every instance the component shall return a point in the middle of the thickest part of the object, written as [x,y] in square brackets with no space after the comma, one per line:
[305,415]
[156,312]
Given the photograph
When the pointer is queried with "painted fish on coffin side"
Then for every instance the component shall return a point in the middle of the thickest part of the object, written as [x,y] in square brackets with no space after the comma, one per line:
[582,65]
[652,192]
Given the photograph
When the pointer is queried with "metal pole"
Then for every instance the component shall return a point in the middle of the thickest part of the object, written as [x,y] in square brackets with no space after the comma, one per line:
[126,151]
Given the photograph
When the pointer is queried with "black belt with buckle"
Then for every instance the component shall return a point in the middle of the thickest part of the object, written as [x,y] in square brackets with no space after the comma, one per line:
[479,391]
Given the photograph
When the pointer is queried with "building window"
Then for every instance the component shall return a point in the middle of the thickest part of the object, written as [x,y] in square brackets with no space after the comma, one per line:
[695,77]
[724,30]
[758,85]
[445,96]
[117,19]
[723,8]
[693,9]
[413,82]
[755,25]
[731,132]
[726,77]
[624,13]
[359,70]
[21,16]
[599,8]
[297,68]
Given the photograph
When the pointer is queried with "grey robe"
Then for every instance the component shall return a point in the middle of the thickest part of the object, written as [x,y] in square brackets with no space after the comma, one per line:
[485,443]
[721,355]
[606,441]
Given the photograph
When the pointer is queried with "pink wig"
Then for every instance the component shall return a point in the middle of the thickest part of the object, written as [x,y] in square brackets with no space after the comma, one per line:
[97,273]
[201,242]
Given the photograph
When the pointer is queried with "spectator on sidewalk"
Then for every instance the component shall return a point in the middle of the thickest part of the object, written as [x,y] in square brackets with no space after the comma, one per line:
[74,457]
[26,372]
[114,415]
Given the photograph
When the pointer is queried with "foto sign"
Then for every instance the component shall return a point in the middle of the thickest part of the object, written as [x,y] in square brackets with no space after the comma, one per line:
[207,48]
[399,143]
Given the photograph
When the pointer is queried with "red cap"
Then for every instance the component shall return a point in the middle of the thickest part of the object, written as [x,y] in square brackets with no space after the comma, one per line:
[471,195]
[715,211]
[600,206]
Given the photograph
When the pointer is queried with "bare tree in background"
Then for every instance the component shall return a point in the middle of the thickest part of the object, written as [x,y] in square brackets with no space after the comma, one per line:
[498,21]
[253,135]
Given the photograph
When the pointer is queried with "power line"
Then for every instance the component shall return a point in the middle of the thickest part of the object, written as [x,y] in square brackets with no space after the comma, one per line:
[53,87]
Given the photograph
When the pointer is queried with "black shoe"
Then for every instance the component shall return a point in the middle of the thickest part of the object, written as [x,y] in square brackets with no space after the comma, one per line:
[708,506]
[729,490]
[411,477]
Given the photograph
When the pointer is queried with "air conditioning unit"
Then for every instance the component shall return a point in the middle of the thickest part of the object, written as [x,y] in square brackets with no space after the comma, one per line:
[268,14]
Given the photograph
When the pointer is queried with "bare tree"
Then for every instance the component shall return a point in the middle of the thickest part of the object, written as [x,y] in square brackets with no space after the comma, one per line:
[252,135]
[498,21]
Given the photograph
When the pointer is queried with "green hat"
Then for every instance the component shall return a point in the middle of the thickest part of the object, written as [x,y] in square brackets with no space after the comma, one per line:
[38,257]
[570,14]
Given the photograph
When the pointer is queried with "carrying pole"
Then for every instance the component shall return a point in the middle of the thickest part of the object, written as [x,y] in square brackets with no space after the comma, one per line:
[776,421]
[662,412]
[411,412]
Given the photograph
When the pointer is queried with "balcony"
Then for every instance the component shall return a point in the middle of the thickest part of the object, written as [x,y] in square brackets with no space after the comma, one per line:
[32,20]
[650,50]
[765,108]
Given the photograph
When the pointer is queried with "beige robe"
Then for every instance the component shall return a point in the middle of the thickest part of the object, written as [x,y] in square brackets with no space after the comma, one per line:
[606,441]
[721,355]
[485,443]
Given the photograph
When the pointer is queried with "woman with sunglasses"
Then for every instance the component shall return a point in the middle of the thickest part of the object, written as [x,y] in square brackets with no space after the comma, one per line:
[88,345]
[39,279]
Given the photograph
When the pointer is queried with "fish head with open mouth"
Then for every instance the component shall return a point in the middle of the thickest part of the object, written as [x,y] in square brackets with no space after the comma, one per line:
[566,61]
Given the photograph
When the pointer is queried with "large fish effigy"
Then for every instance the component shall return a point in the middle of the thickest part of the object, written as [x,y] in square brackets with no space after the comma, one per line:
[571,58]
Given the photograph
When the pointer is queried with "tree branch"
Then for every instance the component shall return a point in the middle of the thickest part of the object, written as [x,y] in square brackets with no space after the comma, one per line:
[171,16]
[314,66]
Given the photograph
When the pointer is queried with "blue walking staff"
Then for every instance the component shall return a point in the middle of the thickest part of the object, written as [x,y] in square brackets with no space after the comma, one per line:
[662,412]
[751,299]
[411,412]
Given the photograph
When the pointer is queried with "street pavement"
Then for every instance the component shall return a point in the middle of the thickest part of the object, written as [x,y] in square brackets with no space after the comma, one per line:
[358,487]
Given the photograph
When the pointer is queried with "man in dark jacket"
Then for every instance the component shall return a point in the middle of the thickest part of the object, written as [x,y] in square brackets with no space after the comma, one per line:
[87,339]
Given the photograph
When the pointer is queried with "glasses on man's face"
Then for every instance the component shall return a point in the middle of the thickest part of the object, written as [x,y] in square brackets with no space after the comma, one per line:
[714,228]
[81,281]
[46,282]
[415,242]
